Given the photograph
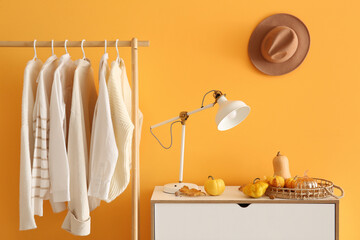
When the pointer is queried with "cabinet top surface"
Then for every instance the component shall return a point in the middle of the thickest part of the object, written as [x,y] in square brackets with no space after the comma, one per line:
[230,195]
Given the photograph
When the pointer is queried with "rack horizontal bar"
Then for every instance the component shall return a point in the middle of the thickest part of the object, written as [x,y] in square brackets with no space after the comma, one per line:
[71,43]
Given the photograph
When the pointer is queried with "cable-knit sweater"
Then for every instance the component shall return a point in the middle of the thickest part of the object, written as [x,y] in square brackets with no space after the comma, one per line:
[120,104]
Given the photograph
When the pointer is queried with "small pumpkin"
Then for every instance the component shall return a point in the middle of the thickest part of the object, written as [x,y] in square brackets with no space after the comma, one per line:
[256,189]
[290,182]
[281,166]
[214,187]
[305,182]
[275,181]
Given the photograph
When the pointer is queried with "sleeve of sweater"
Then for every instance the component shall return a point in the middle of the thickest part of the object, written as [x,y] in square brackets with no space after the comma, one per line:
[58,160]
[126,92]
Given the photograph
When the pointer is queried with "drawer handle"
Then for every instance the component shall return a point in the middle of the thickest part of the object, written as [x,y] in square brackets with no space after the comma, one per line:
[244,205]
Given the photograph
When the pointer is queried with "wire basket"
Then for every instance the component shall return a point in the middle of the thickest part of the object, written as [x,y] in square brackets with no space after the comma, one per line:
[325,189]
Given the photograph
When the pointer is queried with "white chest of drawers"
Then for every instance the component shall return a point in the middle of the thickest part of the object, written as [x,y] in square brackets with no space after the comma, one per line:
[235,216]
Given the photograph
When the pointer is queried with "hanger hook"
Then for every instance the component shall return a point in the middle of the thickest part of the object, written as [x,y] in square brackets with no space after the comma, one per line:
[52,47]
[66,51]
[105,45]
[35,55]
[117,50]
[82,48]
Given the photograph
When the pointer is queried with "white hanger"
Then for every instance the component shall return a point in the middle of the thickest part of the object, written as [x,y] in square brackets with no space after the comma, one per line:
[66,51]
[35,55]
[52,47]
[117,50]
[105,45]
[82,48]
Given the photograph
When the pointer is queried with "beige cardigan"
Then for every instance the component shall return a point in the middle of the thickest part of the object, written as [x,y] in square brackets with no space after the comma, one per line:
[84,95]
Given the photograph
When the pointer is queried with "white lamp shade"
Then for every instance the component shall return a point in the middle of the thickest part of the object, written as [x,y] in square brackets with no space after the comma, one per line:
[230,113]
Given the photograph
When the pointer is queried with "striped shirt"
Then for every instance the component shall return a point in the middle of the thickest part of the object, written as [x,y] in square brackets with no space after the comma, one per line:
[41,122]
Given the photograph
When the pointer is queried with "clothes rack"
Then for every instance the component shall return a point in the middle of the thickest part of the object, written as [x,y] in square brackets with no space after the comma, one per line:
[134,44]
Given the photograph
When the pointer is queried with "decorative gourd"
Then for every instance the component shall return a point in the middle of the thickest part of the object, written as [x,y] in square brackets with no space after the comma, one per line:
[256,189]
[290,182]
[214,187]
[281,166]
[275,181]
[305,182]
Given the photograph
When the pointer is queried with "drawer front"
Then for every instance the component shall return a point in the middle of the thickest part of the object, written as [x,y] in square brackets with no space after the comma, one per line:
[228,221]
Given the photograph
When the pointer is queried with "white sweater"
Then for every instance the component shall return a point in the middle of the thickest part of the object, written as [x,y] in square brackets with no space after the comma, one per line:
[26,210]
[120,102]
[60,103]
[84,95]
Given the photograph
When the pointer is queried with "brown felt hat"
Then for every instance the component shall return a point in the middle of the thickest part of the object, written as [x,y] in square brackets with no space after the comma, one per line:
[279,44]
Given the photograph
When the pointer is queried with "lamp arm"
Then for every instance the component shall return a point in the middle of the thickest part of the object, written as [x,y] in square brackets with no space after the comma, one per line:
[178,117]
[202,108]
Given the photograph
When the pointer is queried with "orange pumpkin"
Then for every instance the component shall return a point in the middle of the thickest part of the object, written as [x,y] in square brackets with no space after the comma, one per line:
[290,182]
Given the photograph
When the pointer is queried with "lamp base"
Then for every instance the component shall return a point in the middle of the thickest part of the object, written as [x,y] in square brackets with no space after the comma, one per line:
[174,187]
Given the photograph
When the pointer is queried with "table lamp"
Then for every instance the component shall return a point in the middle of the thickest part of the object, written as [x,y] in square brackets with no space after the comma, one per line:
[229,114]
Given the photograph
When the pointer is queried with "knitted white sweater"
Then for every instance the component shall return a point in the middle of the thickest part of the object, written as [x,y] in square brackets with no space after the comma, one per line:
[120,104]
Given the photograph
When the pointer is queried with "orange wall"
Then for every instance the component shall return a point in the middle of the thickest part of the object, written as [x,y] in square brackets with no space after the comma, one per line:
[312,114]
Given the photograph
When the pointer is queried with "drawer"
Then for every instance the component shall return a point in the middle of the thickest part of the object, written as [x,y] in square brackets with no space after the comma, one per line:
[229,221]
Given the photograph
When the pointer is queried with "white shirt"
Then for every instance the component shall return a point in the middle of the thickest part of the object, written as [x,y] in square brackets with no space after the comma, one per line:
[103,150]
[60,105]
[84,95]
[26,210]
[120,103]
